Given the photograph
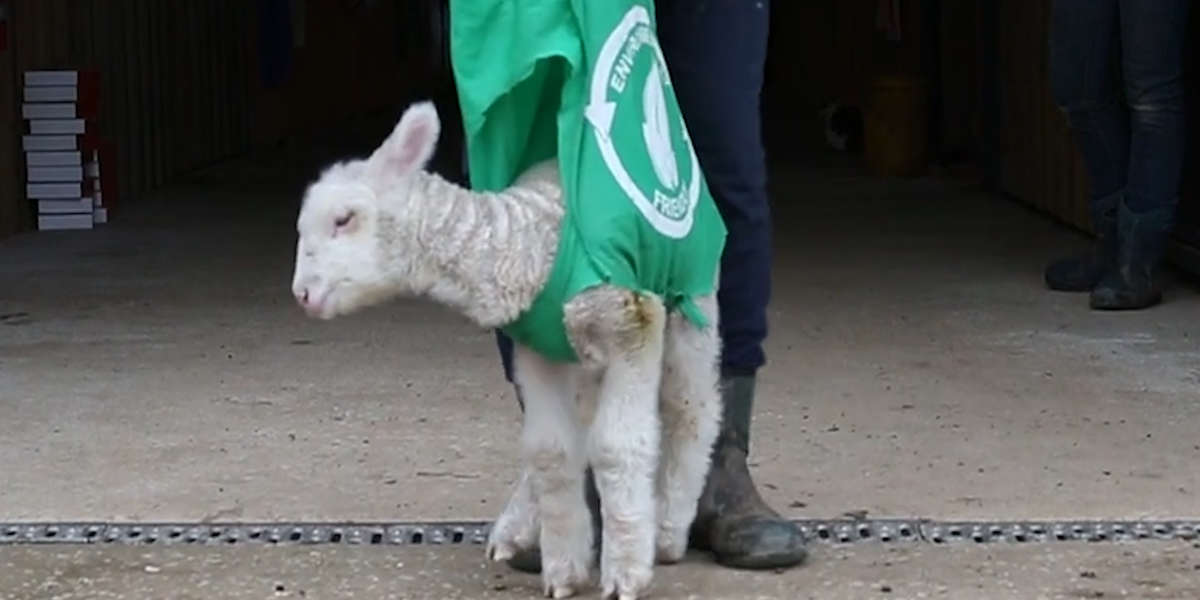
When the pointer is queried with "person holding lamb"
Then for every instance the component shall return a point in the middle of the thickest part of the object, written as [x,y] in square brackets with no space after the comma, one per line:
[718,87]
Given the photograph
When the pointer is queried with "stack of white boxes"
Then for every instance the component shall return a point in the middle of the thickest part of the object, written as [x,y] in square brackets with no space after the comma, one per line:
[61,160]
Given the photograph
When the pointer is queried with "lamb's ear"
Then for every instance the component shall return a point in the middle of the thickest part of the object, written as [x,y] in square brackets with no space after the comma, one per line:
[411,144]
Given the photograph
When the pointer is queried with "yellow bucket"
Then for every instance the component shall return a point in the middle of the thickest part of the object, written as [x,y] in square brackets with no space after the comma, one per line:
[896,127]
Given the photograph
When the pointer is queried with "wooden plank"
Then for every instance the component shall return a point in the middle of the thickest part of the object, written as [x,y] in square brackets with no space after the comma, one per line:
[218,59]
[230,81]
[1034,98]
[223,71]
[127,67]
[161,126]
[208,83]
[188,106]
[245,67]
[240,59]
[1035,156]
[172,86]
[1039,161]
[14,215]
[151,40]
[144,85]
[235,81]
[109,50]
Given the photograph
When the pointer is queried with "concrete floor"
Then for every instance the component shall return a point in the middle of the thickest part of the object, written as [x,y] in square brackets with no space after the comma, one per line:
[1158,570]
[157,369]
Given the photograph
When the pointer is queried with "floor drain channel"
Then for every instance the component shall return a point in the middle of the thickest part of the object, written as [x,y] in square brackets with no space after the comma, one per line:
[475,533]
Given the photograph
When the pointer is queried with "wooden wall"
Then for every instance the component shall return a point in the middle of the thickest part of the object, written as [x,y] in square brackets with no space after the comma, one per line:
[181,81]
[824,51]
[829,50]
[1037,159]
[173,77]
[13,213]
[349,63]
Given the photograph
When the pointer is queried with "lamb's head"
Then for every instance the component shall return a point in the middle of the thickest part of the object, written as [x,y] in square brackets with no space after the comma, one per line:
[355,246]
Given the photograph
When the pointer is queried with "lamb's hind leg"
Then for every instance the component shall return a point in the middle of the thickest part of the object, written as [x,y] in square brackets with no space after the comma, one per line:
[691,411]
[623,331]
[553,451]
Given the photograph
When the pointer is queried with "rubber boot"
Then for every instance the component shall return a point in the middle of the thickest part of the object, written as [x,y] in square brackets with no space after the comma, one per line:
[733,521]
[1142,240]
[1083,273]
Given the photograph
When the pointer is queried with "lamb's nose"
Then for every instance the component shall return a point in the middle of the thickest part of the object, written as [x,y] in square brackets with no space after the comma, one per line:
[302,296]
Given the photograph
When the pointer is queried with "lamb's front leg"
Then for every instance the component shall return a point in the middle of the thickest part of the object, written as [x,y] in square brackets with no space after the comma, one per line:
[624,332]
[691,412]
[517,528]
[553,452]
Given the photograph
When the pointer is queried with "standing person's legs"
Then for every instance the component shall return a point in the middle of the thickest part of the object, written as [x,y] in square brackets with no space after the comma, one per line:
[718,86]
[1083,42]
[1152,40]
[716,53]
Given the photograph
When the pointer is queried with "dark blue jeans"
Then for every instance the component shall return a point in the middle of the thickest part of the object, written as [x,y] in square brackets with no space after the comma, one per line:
[716,51]
[1131,135]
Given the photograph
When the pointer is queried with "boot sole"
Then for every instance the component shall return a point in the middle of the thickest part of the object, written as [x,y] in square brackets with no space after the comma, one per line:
[759,562]
[1116,306]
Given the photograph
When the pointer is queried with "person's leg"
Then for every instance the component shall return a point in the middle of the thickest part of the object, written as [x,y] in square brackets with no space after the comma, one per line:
[1083,42]
[716,52]
[1152,39]
[718,87]
[505,345]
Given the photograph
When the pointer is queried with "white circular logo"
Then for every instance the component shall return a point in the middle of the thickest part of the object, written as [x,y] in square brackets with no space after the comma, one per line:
[668,202]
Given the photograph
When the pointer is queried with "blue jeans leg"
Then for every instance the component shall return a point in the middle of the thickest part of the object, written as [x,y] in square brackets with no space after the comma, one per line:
[716,51]
[1131,134]
[1083,42]
[1152,40]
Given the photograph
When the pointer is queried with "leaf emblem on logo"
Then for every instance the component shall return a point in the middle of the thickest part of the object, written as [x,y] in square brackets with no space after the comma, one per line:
[656,130]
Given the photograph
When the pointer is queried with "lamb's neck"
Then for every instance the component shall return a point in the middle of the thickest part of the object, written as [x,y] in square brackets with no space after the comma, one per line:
[488,253]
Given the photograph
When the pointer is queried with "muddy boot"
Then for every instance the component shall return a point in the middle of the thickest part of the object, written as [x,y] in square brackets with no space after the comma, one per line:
[1142,243]
[733,521]
[1082,273]
[530,561]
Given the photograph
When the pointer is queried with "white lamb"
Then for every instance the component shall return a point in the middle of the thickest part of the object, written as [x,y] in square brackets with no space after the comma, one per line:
[375,229]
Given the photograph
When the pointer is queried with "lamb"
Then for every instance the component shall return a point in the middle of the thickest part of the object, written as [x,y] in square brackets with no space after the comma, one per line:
[641,405]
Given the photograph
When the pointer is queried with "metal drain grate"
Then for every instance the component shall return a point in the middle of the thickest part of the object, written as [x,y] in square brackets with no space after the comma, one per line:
[1061,531]
[475,533]
[852,531]
[243,533]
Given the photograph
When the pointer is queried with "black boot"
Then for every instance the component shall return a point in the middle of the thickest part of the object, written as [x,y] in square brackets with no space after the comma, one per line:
[1142,243]
[733,521]
[1082,273]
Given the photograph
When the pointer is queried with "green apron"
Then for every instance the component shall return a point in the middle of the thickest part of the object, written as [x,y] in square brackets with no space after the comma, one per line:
[585,81]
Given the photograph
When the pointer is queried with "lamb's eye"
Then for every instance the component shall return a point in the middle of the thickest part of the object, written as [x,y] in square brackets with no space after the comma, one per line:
[343,220]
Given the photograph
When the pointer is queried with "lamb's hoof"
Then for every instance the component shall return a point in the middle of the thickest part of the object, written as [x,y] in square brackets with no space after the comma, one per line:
[557,592]
[515,532]
[671,544]
[563,578]
[626,583]
[500,552]
[504,543]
